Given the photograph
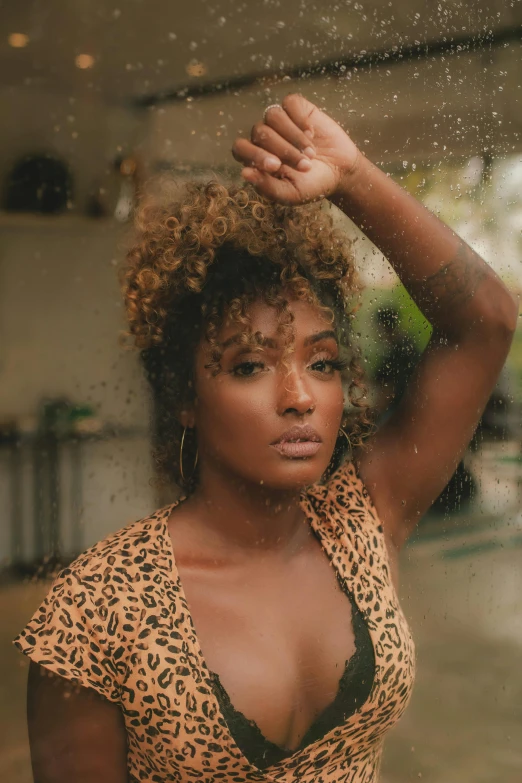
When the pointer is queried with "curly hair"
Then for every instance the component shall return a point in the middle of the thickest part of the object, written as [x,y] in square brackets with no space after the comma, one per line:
[207,256]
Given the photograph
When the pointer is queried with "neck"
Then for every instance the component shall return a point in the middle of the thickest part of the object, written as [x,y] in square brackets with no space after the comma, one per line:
[241,516]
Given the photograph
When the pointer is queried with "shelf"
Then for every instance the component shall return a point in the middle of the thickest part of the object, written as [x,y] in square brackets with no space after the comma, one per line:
[109,432]
[75,221]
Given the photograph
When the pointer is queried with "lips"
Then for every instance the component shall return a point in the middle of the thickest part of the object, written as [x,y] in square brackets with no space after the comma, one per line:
[298,442]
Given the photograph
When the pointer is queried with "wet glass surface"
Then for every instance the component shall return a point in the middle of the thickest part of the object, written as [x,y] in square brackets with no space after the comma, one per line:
[97,99]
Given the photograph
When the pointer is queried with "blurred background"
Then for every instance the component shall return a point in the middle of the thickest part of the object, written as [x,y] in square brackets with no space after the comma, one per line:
[98,97]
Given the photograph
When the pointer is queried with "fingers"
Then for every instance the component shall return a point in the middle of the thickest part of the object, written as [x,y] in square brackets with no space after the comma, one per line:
[281,146]
[285,138]
[279,120]
[276,188]
[299,111]
[253,156]
[268,151]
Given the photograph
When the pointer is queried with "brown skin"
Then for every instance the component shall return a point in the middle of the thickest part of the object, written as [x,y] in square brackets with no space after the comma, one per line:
[254,576]
[240,412]
[473,315]
[74,734]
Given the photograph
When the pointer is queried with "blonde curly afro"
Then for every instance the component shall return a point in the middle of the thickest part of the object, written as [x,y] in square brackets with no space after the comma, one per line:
[205,257]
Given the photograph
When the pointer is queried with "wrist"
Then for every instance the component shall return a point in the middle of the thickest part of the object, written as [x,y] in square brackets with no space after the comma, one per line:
[349,177]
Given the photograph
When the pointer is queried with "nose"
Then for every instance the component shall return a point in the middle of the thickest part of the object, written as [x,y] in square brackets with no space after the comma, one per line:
[294,394]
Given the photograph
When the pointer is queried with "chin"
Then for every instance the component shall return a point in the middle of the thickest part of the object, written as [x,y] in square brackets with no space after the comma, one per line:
[295,476]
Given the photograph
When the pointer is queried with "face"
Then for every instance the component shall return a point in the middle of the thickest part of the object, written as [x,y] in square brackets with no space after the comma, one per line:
[265,421]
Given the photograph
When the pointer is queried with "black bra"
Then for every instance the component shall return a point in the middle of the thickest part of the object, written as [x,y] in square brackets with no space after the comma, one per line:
[354,688]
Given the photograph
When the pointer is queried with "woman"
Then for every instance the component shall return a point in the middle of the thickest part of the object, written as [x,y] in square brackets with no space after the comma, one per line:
[251,631]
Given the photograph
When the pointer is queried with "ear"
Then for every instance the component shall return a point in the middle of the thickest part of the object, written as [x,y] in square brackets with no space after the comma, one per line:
[187,417]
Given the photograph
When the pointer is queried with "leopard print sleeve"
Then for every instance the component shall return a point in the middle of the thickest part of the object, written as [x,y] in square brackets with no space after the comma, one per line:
[73,634]
[346,489]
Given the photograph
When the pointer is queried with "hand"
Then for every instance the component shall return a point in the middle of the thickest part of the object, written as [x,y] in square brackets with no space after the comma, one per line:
[296,154]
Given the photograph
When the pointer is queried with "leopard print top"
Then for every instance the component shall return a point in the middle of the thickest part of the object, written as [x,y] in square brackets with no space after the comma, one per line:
[117,621]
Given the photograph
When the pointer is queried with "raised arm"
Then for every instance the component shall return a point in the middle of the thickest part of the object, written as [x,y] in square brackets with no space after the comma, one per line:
[297,154]
[473,315]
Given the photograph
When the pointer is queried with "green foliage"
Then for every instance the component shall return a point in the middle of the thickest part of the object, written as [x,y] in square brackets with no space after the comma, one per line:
[411,321]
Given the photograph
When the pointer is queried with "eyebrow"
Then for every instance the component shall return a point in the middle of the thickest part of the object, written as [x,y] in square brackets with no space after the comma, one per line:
[268,342]
[327,334]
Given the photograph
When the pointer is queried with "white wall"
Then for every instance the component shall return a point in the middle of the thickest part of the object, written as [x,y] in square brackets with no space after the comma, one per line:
[60,317]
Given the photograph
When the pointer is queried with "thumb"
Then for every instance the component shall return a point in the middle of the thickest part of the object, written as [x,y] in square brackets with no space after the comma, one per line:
[273,188]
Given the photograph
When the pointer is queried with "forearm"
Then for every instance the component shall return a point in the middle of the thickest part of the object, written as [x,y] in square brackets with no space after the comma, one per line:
[452,285]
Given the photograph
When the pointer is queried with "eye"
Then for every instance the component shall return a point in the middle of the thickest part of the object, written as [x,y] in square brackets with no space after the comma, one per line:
[323,365]
[247,369]
[328,366]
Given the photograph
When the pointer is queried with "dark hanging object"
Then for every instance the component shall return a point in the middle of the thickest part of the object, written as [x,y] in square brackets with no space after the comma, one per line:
[38,183]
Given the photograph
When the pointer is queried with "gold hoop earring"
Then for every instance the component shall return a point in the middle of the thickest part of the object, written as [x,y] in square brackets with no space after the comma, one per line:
[342,432]
[181,458]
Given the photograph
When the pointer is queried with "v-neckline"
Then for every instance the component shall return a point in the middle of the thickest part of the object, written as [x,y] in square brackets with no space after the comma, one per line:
[349,665]
[316,528]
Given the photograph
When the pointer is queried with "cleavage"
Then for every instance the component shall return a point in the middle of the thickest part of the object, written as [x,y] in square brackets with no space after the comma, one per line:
[278,636]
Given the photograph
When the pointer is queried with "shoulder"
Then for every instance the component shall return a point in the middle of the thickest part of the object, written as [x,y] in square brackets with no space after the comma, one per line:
[345,504]
[106,584]
[348,493]
[128,553]
[85,629]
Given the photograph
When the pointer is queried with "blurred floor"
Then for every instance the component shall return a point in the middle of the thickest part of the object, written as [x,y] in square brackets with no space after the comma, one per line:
[462,593]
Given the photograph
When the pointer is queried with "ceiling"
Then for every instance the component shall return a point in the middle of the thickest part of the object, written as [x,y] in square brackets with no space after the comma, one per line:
[175,82]
[151,47]
[411,80]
